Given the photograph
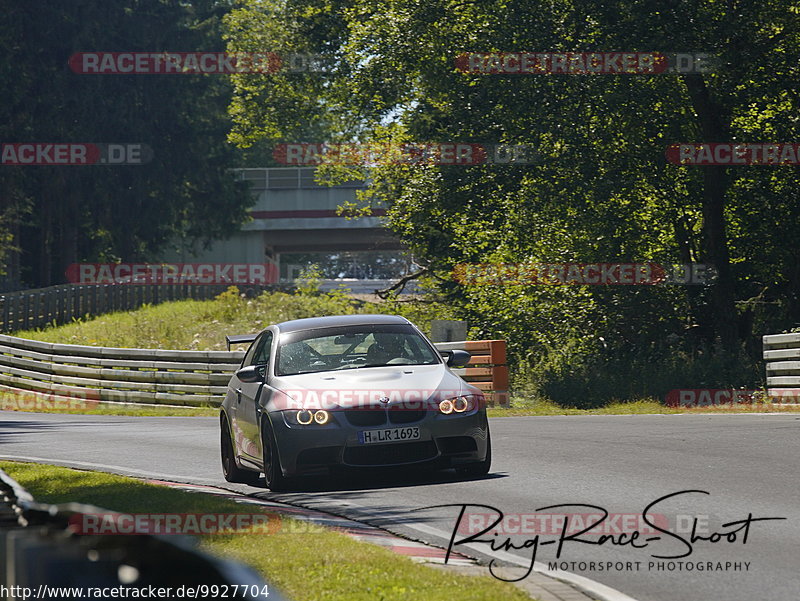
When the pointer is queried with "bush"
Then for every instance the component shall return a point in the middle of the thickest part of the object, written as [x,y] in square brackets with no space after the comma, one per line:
[587,380]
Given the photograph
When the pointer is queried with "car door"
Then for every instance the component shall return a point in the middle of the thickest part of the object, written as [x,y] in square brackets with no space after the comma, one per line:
[248,397]
[233,401]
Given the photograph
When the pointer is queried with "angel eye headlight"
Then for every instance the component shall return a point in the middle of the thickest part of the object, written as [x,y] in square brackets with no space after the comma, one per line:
[321,417]
[446,406]
[461,404]
[304,417]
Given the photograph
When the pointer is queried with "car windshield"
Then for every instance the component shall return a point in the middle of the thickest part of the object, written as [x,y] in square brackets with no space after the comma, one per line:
[352,347]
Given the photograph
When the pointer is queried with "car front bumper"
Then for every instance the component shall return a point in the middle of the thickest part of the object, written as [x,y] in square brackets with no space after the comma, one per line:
[449,440]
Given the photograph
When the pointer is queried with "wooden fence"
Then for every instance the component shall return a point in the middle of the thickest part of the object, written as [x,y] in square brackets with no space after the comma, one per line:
[69,375]
[782,354]
[29,309]
[487,368]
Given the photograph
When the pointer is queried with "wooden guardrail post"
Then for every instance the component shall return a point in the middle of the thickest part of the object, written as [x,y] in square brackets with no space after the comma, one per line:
[487,368]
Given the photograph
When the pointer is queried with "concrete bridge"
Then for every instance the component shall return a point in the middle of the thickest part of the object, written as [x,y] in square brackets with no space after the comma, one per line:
[293,214]
[296,214]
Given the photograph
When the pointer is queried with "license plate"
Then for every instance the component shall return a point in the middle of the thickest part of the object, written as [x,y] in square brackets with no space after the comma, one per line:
[388,435]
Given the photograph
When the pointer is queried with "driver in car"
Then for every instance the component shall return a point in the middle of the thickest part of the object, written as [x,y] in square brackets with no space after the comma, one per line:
[386,347]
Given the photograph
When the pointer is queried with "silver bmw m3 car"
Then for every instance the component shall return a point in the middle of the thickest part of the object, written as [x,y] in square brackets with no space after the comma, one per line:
[349,391]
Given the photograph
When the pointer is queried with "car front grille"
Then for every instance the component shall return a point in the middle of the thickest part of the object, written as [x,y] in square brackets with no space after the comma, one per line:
[406,416]
[379,416]
[391,454]
[366,417]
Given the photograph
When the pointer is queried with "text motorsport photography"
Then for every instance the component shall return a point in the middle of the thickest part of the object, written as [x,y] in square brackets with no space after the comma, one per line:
[664,543]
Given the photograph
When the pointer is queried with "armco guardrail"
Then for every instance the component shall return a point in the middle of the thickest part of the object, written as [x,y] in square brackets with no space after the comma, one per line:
[41,555]
[124,375]
[69,373]
[782,354]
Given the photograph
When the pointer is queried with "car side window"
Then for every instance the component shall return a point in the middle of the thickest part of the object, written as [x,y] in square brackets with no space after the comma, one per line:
[261,356]
[248,357]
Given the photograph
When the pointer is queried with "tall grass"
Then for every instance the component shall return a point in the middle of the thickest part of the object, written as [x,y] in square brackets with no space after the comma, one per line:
[202,325]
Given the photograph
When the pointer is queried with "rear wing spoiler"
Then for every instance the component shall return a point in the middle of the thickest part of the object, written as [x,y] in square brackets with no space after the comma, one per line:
[240,339]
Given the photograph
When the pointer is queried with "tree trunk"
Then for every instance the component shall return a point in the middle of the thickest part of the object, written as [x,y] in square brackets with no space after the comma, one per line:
[715,242]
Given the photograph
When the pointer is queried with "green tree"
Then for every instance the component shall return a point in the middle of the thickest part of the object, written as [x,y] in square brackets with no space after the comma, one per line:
[92,213]
[603,190]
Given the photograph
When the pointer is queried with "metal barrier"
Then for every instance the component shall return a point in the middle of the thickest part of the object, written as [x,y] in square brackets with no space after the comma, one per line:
[37,308]
[70,371]
[74,375]
[782,353]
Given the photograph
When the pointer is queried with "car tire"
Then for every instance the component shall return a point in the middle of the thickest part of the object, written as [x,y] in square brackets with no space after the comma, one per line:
[481,468]
[273,474]
[231,471]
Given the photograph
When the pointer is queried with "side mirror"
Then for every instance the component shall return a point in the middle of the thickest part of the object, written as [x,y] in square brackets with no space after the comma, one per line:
[251,374]
[458,358]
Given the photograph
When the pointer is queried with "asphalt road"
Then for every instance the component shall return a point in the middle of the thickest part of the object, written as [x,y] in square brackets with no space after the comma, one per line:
[746,463]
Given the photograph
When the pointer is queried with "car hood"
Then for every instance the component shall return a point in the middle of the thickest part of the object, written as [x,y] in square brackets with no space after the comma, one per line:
[365,386]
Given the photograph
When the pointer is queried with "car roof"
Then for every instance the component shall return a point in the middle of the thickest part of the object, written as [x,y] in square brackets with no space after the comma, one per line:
[313,323]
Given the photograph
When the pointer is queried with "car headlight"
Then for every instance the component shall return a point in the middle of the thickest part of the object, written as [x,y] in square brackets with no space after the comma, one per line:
[459,404]
[307,417]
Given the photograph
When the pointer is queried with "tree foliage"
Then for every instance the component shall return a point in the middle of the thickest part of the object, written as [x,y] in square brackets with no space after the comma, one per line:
[602,190]
[105,213]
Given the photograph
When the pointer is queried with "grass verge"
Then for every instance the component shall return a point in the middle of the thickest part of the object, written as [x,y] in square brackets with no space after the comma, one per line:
[313,564]
[203,325]
[523,407]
